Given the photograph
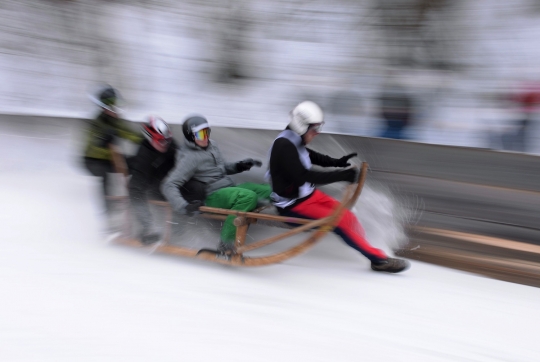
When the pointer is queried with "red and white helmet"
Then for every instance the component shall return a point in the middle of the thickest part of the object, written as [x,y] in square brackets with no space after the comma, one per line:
[158,133]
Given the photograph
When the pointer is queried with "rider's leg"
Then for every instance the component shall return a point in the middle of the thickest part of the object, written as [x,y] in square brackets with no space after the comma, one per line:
[233,198]
[101,169]
[263,191]
[320,205]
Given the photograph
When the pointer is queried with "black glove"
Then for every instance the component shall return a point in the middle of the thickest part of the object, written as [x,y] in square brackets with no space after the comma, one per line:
[247,164]
[193,190]
[193,208]
[342,162]
[350,175]
[107,137]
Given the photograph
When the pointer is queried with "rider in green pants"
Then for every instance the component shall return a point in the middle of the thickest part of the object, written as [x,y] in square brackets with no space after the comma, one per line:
[201,176]
[242,198]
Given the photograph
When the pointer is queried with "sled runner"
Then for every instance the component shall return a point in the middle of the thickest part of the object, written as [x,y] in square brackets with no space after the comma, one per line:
[315,230]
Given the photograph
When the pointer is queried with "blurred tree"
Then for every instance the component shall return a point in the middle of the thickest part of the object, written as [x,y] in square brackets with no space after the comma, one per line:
[396,110]
[231,32]
[416,32]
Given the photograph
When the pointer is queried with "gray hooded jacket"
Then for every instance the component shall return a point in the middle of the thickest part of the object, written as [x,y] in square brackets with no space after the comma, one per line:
[204,165]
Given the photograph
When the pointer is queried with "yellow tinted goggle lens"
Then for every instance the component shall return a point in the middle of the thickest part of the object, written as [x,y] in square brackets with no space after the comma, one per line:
[202,134]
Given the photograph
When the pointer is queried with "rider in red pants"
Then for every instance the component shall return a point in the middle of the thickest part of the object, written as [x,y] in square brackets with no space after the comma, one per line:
[293,180]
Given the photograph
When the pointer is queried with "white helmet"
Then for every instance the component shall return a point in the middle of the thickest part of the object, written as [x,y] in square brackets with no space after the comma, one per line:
[305,114]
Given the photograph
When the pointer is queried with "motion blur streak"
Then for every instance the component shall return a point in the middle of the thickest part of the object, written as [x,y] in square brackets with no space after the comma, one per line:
[440,97]
[437,71]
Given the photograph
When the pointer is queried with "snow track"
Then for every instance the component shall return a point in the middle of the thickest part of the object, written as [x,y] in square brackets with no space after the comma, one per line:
[67,295]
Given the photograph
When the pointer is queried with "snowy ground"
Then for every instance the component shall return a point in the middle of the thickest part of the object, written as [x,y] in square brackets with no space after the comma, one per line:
[68,295]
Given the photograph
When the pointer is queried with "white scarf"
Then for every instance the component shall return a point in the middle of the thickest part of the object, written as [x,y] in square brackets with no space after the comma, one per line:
[307,188]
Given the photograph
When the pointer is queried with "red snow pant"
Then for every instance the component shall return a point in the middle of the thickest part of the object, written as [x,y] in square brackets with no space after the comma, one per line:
[320,205]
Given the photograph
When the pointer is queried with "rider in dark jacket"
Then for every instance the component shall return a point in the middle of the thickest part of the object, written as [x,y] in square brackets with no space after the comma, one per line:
[153,161]
[293,183]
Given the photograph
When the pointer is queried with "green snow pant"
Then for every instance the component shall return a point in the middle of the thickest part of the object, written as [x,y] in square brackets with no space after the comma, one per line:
[242,198]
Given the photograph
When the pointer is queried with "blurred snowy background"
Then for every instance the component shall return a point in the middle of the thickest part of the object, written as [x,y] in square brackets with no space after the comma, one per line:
[450,72]
[458,72]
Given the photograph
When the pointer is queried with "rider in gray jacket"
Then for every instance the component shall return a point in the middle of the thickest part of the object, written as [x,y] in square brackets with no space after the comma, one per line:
[202,173]
[204,165]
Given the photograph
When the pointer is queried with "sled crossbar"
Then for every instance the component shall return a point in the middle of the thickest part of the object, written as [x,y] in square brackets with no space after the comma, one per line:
[254,215]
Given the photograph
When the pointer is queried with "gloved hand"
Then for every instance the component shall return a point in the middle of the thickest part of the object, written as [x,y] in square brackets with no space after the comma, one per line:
[107,137]
[193,208]
[247,164]
[342,162]
[350,175]
[189,208]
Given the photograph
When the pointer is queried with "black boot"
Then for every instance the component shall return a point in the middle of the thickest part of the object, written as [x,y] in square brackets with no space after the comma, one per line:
[226,248]
[223,251]
[149,239]
[391,265]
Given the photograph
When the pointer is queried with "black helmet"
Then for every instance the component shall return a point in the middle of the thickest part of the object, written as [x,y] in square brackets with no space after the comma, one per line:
[194,124]
[108,96]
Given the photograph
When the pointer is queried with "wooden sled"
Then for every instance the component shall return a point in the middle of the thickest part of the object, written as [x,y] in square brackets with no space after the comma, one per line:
[316,228]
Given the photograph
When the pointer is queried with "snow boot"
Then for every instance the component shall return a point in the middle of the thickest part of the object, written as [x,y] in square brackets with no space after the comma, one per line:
[149,239]
[391,265]
[226,248]
[223,251]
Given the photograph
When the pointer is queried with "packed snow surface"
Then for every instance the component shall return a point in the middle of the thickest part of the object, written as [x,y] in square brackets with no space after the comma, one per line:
[70,295]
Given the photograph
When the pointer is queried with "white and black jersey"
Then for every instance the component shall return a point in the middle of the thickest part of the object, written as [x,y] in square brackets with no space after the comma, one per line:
[290,170]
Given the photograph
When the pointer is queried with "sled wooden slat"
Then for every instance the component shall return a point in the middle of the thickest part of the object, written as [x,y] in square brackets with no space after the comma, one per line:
[241,232]
[259,244]
[360,185]
[176,250]
[159,248]
[213,216]
[254,215]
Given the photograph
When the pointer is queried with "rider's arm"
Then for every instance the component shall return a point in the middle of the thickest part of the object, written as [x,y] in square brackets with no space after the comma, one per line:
[322,160]
[183,171]
[230,167]
[98,139]
[285,156]
[125,131]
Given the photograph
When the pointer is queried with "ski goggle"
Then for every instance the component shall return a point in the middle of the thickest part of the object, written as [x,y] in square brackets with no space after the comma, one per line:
[202,135]
[317,127]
